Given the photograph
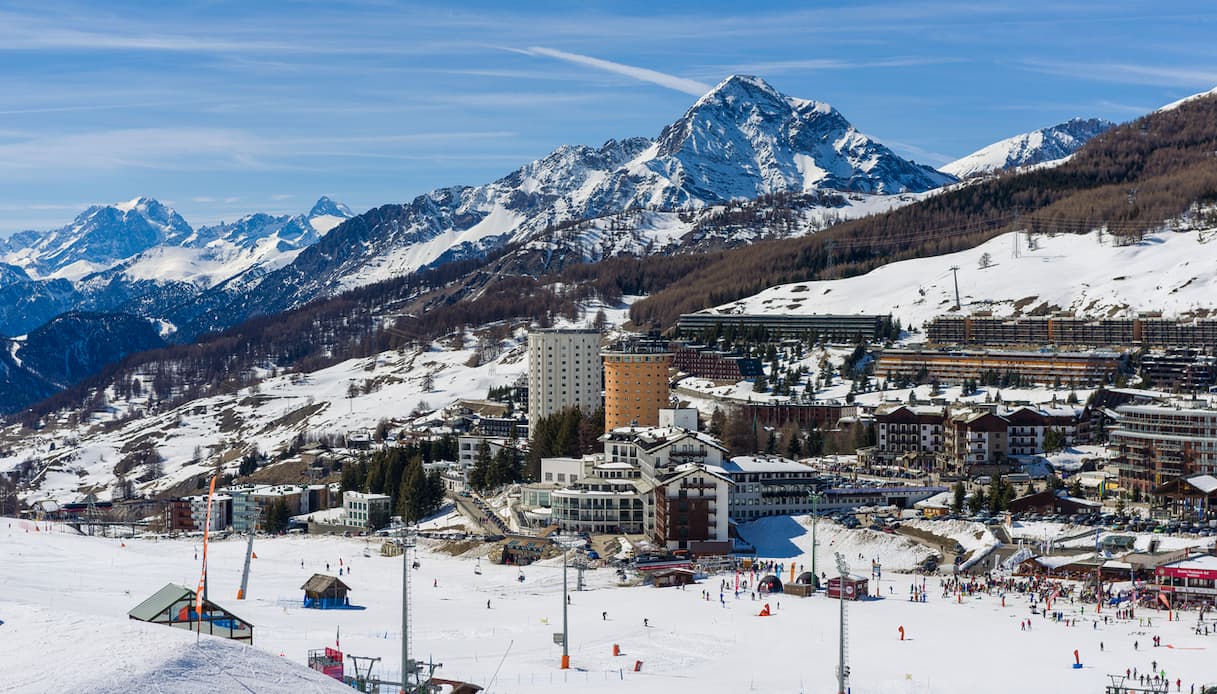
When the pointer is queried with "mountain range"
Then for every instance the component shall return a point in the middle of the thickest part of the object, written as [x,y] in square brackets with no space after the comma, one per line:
[742,144]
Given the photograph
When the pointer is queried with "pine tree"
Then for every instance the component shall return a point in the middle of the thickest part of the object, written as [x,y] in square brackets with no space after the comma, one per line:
[957,500]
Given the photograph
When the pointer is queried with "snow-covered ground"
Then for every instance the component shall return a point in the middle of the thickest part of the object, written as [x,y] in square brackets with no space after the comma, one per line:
[343,399]
[1087,273]
[65,628]
[789,537]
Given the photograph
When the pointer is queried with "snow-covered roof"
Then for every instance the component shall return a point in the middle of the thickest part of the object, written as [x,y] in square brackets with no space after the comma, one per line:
[749,463]
[1204,483]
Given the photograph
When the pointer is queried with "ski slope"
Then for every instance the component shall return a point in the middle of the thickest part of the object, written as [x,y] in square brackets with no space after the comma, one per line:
[1166,271]
[65,628]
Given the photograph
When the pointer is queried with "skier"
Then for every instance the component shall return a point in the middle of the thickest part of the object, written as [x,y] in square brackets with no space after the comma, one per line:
[488,604]
[645,623]
[604,616]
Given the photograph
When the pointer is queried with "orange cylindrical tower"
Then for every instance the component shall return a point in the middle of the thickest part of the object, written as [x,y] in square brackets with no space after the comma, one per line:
[635,383]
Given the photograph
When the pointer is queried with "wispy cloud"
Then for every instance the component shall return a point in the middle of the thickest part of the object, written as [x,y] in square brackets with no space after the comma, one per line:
[643,74]
[814,64]
[1175,76]
[209,149]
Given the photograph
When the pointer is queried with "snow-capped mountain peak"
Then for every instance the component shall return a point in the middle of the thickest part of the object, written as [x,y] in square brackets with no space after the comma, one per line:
[744,138]
[327,214]
[326,206]
[1036,147]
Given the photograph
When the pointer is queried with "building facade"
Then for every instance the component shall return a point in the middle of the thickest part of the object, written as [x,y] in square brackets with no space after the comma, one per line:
[635,382]
[706,362]
[609,500]
[1068,330]
[1157,443]
[367,511]
[691,510]
[564,370]
[956,366]
[830,327]
[769,486]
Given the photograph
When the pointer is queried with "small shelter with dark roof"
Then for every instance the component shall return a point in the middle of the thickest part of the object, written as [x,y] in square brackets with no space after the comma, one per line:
[174,606]
[325,592]
[665,578]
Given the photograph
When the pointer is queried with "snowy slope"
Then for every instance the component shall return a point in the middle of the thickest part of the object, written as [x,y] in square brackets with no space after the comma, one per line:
[1176,104]
[138,657]
[65,628]
[270,418]
[1036,147]
[1167,271]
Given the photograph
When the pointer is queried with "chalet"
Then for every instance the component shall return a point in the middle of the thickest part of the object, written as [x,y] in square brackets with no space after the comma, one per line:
[1049,501]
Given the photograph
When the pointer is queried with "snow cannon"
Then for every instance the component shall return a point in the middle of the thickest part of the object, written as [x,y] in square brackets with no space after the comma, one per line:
[1077,660]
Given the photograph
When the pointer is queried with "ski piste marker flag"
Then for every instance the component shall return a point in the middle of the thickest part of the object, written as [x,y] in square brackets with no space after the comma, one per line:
[198,596]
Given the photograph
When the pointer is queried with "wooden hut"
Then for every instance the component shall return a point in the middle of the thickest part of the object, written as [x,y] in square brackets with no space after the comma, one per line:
[325,592]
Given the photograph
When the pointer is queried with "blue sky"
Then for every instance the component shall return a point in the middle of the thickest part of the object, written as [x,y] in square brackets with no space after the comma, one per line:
[222,109]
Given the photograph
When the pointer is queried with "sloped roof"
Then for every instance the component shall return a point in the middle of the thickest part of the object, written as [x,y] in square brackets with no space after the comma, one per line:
[320,583]
[147,610]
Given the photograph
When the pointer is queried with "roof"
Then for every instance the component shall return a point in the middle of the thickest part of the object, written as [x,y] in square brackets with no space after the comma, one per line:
[162,599]
[1206,562]
[682,471]
[155,604]
[320,583]
[751,463]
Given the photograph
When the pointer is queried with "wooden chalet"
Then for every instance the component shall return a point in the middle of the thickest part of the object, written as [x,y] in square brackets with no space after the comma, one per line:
[325,592]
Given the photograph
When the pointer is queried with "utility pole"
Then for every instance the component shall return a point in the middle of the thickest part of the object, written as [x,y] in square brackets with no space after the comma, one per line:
[565,630]
[815,519]
[955,272]
[842,668]
[407,665]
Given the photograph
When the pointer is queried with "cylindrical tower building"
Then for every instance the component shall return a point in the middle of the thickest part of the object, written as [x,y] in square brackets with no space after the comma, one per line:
[635,382]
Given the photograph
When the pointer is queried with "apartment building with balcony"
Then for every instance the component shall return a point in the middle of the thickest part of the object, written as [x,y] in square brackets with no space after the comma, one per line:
[766,485]
[909,432]
[958,365]
[1156,443]
[609,499]
[692,507]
